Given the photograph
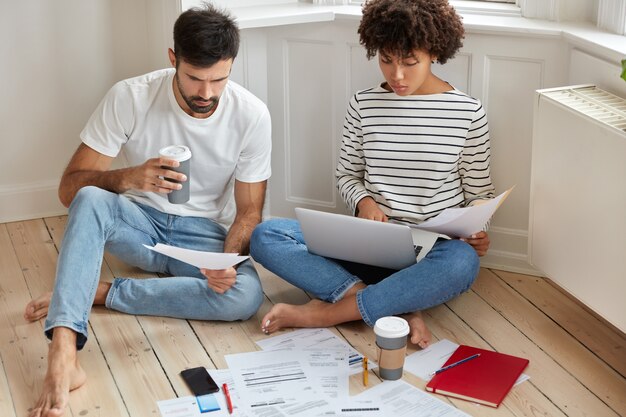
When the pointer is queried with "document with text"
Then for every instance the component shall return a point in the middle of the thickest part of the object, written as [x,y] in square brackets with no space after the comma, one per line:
[464,221]
[200,259]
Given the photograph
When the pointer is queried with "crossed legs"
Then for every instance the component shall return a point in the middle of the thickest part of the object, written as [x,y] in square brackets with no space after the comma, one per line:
[448,270]
[317,313]
[100,219]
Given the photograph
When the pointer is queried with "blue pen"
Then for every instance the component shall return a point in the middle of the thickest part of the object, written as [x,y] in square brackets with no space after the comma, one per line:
[452,365]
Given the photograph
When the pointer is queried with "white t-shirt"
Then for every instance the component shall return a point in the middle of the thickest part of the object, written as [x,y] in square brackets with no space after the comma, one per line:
[139,116]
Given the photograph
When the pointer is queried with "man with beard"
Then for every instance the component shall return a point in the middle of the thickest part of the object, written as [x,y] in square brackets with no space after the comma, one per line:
[119,210]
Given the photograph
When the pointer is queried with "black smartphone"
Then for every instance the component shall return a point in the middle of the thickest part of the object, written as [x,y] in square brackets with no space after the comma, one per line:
[199,381]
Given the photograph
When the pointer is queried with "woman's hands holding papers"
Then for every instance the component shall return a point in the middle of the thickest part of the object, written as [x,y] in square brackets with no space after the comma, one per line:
[367,208]
[479,241]
[220,280]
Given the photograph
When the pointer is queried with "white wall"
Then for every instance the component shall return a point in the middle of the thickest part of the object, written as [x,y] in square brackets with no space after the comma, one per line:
[59,58]
[60,64]
[313,69]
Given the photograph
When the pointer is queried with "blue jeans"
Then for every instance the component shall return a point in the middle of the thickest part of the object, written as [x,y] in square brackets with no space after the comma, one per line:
[448,270]
[100,220]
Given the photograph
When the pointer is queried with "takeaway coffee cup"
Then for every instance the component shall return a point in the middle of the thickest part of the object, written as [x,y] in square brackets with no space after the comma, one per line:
[391,333]
[181,154]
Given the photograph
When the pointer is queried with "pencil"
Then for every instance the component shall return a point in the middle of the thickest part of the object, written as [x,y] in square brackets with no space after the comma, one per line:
[365,371]
[452,365]
[229,402]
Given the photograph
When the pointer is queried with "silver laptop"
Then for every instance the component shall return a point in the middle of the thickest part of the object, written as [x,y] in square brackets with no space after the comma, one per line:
[358,240]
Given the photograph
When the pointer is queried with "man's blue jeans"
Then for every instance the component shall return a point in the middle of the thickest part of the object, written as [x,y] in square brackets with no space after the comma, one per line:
[448,270]
[100,220]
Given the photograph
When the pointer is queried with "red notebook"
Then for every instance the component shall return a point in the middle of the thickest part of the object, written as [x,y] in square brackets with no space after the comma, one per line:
[485,379]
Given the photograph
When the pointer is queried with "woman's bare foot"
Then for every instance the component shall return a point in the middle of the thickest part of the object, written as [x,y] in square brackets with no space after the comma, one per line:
[37,308]
[64,375]
[420,335]
[315,313]
[289,315]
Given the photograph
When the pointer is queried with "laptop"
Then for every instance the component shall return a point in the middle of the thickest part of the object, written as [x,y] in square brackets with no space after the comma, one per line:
[369,242]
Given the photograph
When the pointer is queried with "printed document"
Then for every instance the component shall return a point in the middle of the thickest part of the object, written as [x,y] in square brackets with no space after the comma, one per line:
[320,338]
[275,377]
[403,399]
[206,260]
[329,371]
[464,221]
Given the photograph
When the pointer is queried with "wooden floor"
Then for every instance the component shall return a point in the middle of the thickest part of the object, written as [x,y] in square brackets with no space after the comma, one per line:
[577,363]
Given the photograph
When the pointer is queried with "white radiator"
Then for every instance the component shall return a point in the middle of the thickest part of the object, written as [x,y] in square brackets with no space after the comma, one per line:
[577,229]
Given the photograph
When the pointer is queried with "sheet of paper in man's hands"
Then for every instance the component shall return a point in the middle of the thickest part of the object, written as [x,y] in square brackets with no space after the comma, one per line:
[207,260]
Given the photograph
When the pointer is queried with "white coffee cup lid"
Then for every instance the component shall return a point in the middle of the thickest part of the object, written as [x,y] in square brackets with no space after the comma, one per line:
[176,152]
[391,327]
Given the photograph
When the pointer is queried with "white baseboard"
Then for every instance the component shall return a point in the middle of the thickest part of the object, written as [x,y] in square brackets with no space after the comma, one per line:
[30,201]
[509,251]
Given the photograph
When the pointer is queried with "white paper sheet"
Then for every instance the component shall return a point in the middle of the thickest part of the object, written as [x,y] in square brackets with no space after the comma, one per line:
[207,260]
[361,408]
[423,362]
[273,377]
[180,407]
[320,338]
[329,371]
[424,241]
[402,399]
[463,221]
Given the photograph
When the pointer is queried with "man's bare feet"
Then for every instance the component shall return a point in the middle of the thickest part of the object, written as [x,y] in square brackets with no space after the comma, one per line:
[37,308]
[420,335]
[315,313]
[64,375]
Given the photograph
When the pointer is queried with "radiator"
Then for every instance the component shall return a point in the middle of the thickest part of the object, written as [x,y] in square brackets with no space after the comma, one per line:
[577,225]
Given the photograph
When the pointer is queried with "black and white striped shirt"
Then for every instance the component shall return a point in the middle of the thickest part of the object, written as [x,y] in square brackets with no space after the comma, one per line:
[414,155]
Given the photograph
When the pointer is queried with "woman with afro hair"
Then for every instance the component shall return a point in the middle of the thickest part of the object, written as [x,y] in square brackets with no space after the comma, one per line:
[412,146]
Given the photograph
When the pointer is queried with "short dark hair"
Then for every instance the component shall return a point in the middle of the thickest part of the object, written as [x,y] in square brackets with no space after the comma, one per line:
[399,27]
[204,36]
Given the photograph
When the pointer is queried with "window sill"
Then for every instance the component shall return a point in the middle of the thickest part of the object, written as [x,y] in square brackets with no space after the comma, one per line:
[487,18]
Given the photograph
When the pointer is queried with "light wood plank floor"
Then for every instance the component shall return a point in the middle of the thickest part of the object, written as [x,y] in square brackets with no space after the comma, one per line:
[577,363]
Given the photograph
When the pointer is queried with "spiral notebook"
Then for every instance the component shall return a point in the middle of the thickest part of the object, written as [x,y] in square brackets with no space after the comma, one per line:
[486,379]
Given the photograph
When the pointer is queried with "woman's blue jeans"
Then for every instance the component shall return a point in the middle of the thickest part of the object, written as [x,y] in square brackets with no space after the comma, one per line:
[100,220]
[448,270]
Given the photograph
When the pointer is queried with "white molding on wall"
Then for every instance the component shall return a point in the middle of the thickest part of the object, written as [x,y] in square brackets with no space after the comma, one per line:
[243,55]
[511,253]
[288,140]
[612,16]
[487,70]
[30,201]
[507,261]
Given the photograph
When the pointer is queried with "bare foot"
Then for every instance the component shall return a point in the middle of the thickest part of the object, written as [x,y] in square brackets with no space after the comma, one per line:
[37,307]
[315,313]
[64,375]
[420,335]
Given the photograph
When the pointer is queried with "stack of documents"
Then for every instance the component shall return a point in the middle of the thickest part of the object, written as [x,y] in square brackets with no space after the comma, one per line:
[306,373]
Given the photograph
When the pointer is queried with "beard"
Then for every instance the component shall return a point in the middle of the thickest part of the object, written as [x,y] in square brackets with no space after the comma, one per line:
[191,100]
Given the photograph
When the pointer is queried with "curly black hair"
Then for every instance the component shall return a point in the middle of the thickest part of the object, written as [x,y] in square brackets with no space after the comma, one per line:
[399,27]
